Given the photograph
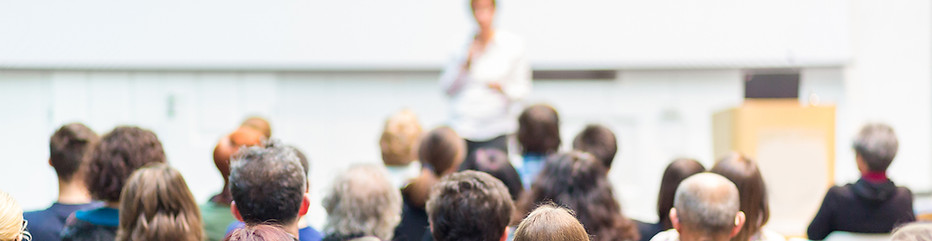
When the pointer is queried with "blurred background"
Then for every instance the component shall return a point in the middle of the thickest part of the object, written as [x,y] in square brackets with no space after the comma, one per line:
[327,74]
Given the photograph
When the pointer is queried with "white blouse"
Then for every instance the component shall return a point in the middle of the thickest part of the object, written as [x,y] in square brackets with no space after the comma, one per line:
[478,112]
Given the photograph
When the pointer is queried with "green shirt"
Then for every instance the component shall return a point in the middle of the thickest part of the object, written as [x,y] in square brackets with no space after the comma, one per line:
[216,219]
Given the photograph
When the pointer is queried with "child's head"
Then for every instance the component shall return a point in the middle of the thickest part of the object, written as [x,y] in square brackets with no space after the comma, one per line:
[539,129]
[442,151]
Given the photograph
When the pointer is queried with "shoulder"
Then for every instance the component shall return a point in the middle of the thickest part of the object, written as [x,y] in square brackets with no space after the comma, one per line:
[669,235]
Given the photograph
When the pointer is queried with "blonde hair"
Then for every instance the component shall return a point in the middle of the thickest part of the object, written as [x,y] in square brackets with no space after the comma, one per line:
[551,223]
[12,227]
[400,138]
[156,204]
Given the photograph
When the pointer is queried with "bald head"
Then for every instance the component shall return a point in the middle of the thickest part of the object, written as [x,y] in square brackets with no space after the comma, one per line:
[707,204]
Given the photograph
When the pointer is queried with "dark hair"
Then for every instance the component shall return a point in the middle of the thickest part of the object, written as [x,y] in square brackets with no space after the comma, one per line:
[442,150]
[156,204]
[676,171]
[877,145]
[267,184]
[120,152]
[495,162]
[751,189]
[469,205]
[550,222]
[539,129]
[577,181]
[259,232]
[599,141]
[69,147]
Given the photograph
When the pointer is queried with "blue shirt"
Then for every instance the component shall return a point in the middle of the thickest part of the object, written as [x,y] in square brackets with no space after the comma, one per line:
[305,234]
[47,224]
[533,164]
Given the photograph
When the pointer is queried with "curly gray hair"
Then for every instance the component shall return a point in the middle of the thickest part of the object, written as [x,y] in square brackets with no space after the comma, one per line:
[877,145]
[363,201]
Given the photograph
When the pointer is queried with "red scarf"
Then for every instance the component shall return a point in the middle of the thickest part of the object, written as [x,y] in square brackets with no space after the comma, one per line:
[874,176]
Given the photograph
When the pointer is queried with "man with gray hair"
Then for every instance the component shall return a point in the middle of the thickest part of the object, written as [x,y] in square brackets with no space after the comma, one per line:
[362,205]
[873,204]
[705,208]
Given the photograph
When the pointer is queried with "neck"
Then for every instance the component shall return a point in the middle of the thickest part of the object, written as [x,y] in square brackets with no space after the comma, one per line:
[223,198]
[112,204]
[485,35]
[291,228]
[690,236]
[73,192]
[874,176]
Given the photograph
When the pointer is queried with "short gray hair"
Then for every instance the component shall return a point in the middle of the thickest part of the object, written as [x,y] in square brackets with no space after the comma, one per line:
[363,201]
[707,202]
[877,145]
[913,232]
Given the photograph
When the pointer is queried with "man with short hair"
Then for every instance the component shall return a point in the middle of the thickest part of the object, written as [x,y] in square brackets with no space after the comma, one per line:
[68,151]
[469,206]
[705,208]
[268,185]
[873,204]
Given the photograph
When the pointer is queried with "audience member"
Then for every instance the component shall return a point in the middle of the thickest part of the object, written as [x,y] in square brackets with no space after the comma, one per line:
[495,162]
[69,149]
[399,141]
[539,136]
[873,204]
[441,152]
[156,204]
[706,208]
[744,173]
[269,186]
[920,231]
[578,181]
[362,204]
[676,171]
[12,224]
[260,232]
[551,223]
[260,124]
[599,141]
[118,154]
[216,211]
[469,205]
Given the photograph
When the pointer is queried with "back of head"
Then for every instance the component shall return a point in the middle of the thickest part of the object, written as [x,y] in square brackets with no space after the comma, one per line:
[12,227]
[551,223]
[69,148]
[877,145]
[259,232]
[495,162]
[363,202]
[400,138]
[267,184]
[442,150]
[599,141]
[707,204]
[469,205]
[260,124]
[578,181]
[678,170]
[539,129]
[118,154]
[230,144]
[743,172]
[920,231]
[156,204]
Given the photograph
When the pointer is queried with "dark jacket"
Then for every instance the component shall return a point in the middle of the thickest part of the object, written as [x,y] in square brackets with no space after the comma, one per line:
[863,207]
[413,224]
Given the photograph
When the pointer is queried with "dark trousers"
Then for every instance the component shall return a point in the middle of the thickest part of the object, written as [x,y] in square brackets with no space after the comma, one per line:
[500,142]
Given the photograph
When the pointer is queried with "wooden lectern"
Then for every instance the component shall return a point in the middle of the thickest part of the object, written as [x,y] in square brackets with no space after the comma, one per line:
[794,146]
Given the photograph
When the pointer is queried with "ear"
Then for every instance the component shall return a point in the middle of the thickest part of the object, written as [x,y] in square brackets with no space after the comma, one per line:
[305,204]
[674,219]
[50,162]
[235,211]
[739,222]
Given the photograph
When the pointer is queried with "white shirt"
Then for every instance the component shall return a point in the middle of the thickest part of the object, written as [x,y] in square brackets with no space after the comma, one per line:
[480,113]
[763,235]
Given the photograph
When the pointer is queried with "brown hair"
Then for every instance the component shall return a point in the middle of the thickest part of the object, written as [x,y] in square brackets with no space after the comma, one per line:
[259,232]
[678,170]
[400,138]
[69,148]
[231,143]
[577,181]
[119,153]
[539,129]
[599,141]
[551,223]
[469,205]
[156,204]
[753,193]
[442,150]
